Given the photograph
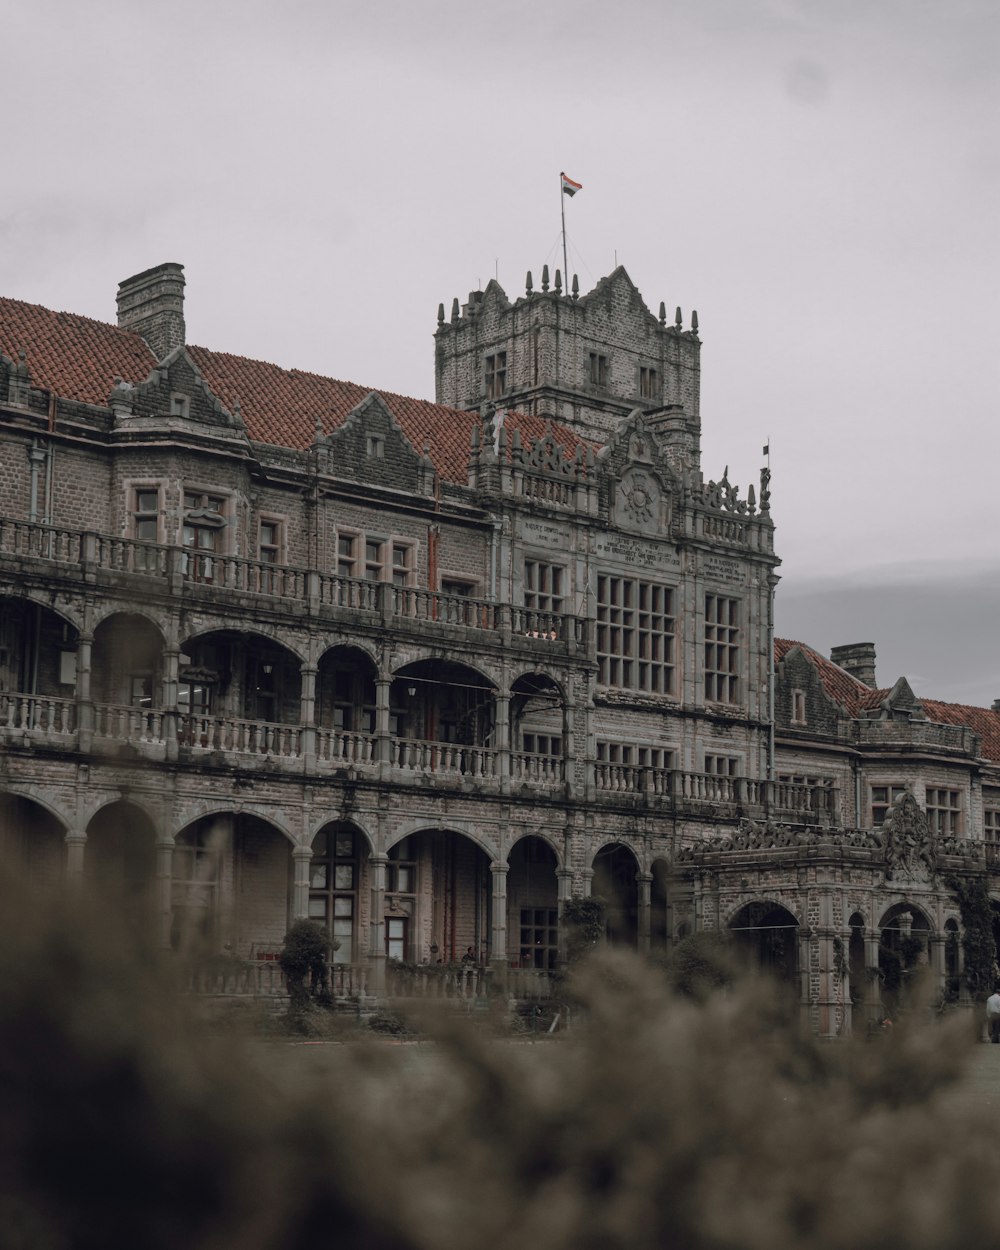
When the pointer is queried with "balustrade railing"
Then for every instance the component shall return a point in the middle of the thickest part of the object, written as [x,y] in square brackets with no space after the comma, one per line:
[435,981]
[444,758]
[534,769]
[128,724]
[36,714]
[348,592]
[337,746]
[432,605]
[240,737]
[44,542]
[126,555]
[258,577]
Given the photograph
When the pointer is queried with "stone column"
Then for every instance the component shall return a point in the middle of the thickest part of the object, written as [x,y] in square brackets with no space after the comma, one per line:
[84,702]
[164,887]
[503,739]
[76,841]
[376,928]
[383,684]
[498,952]
[301,859]
[644,881]
[564,887]
[307,714]
[872,999]
[171,681]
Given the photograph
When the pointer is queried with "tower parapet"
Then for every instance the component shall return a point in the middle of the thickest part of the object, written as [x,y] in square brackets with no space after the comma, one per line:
[585,361]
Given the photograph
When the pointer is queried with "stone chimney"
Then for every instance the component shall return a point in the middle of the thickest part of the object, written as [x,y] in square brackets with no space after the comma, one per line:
[152,304]
[995,706]
[858,659]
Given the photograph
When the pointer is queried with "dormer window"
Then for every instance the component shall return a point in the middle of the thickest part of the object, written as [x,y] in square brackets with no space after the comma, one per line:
[375,447]
[798,707]
[178,405]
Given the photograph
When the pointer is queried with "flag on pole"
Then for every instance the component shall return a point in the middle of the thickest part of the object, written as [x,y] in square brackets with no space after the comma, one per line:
[767,449]
[569,186]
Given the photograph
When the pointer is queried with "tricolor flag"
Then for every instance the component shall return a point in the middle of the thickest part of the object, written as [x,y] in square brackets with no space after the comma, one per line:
[569,186]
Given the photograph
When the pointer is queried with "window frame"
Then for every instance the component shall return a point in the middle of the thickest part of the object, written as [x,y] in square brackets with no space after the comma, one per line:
[636,639]
[722,649]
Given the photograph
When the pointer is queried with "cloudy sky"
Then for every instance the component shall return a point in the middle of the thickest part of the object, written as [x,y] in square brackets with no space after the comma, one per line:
[818,178]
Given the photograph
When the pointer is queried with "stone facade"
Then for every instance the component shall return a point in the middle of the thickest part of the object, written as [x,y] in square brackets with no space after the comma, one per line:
[273,647]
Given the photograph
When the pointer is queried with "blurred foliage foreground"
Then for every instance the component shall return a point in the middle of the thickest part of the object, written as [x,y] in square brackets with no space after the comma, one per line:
[662,1120]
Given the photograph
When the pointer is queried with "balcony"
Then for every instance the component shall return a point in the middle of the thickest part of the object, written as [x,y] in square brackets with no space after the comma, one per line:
[226,582]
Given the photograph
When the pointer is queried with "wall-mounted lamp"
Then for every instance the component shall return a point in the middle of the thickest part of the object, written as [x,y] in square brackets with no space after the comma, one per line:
[411,691]
[268,668]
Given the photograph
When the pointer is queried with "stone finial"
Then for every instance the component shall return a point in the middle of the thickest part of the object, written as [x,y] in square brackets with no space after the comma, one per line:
[456,312]
[529,286]
[558,283]
[440,314]
[694,321]
[545,278]
[678,319]
[576,287]
[320,432]
[663,313]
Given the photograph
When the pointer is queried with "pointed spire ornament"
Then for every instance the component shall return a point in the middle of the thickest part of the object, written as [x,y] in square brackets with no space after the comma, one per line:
[528,284]
[678,319]
[545,278]
[694,322]
[576,287]
[455,311]
[558,283]
[440,314]
[663,313]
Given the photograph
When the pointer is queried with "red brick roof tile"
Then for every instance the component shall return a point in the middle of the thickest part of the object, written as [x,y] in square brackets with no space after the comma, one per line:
[856,698]
[73,356]
[79,359]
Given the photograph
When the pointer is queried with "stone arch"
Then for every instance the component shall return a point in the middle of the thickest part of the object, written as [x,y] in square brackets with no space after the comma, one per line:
[767,934]
[328,818]
[542,836]
[438,896]
[127,660]
[109,608]
[247,674]
[231,884]
[345,642]
[347,702]
[281,638]
[533,903]
[463,828]
[905,935]
[38,654]
[120,855]
[212,808]
[32,839]
[340,886]
[615,882]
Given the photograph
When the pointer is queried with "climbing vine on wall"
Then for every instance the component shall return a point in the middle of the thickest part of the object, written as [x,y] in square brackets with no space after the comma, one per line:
[583,919]
[978,942]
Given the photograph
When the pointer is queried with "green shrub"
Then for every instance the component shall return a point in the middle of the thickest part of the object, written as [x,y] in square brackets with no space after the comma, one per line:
[659,1121]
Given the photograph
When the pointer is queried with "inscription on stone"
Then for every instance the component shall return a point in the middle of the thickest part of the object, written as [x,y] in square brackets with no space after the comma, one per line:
[544,533]
[722,570]
[633,551]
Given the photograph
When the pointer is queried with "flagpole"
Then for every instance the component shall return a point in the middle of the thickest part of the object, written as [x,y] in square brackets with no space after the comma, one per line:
[562,210]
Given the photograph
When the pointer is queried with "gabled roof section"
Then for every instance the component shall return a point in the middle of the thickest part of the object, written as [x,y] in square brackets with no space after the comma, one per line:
[856,698]
[74,356]
[604,291]
[845,689]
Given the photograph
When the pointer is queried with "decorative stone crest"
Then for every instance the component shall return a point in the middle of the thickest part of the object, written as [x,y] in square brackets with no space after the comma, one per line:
[639,498]
[910,845]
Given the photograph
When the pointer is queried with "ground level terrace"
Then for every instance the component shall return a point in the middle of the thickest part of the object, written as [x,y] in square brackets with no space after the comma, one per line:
[436,910]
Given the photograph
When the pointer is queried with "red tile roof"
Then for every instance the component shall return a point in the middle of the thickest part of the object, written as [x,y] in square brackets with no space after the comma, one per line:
[856,698]
[79,359]
[73,356]
[846,690]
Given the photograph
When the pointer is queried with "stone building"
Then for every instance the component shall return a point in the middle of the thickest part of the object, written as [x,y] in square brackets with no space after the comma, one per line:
[274,645]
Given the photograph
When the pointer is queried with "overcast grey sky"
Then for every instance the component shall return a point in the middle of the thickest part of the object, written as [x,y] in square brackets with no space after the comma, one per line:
[820,179]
